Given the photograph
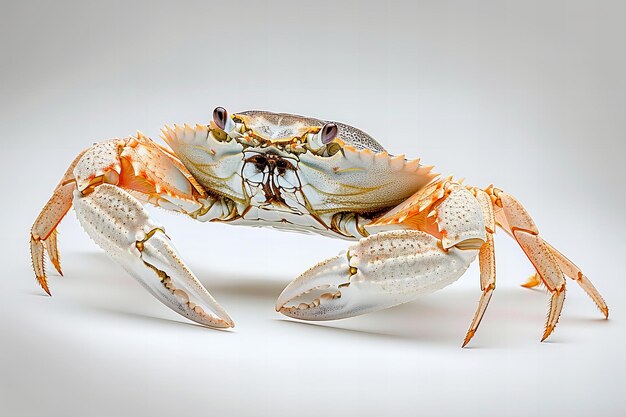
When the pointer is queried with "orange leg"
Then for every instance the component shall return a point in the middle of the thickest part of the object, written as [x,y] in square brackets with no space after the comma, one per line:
[515,220]
[572,271]
[487,263]
[44,228]
[568,268]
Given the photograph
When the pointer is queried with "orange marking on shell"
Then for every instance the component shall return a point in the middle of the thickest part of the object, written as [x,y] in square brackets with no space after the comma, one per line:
[132,180]
[418,210]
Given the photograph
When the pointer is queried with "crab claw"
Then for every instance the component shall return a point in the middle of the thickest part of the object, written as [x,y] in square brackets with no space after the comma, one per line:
[177,288]
[118,223]
[322,287]
[381,271]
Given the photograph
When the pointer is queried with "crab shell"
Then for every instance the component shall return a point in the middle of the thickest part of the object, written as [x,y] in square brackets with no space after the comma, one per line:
[358,176]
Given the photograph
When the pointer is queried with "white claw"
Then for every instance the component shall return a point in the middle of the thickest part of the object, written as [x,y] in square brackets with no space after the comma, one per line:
[331,272]
[119,224]
[381,271]
[190,298]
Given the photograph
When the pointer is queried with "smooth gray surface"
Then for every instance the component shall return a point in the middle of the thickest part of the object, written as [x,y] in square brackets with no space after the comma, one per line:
[529,95]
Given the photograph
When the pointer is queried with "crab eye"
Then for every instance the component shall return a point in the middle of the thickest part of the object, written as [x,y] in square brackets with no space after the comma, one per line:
[220,116]
[328,133]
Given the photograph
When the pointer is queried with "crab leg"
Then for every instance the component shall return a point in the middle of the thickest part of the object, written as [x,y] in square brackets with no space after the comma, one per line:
[44,228]
[513,217]
[487,263]
[572,271]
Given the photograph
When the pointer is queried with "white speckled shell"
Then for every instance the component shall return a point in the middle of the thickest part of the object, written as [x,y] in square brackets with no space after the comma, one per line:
[406,263]
[460,216]
[360,181]
[96,161]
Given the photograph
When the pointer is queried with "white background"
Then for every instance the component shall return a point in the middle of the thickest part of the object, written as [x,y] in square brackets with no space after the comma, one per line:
[528,95]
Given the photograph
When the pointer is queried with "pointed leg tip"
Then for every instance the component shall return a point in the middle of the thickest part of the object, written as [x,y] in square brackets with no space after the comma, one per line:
[43,282]
[58,268]
[44,285]
[547,333]
[605,311]
[468,337]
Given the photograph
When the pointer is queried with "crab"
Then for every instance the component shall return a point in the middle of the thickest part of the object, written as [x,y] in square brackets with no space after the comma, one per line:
[414,231]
